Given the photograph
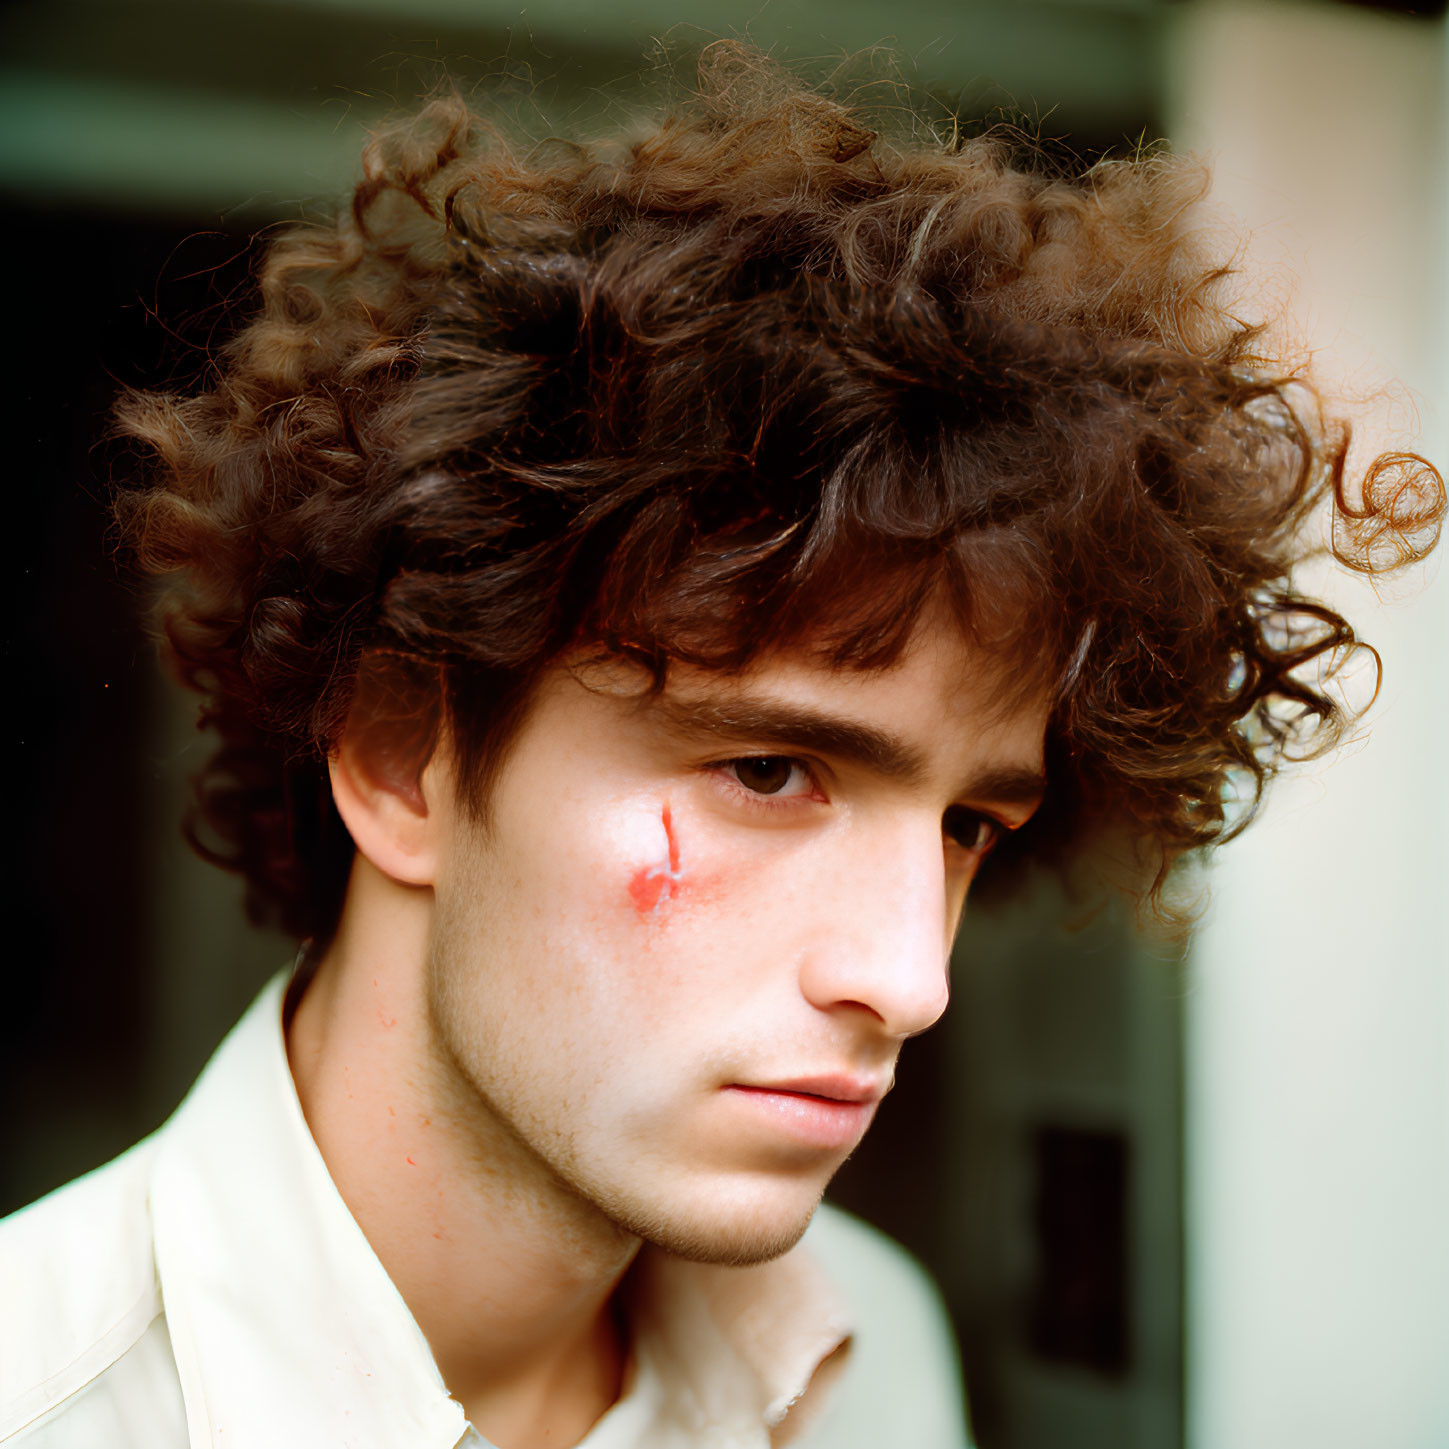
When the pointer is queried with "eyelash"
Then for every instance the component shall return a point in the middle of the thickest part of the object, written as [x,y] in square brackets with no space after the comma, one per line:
[961,815]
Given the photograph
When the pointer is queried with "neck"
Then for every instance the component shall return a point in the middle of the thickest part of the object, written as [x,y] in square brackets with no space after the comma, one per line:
[508,1273]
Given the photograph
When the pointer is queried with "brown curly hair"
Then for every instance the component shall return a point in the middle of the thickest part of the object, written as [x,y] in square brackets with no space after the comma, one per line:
[755,378]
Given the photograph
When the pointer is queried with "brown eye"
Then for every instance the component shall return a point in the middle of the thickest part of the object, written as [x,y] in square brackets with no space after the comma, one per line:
[969,828]
[764,774]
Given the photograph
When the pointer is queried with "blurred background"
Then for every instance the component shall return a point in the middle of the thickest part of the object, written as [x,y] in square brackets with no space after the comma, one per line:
[1170,1201]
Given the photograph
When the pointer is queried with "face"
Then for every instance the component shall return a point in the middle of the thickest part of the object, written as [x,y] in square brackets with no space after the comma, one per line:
[677,963]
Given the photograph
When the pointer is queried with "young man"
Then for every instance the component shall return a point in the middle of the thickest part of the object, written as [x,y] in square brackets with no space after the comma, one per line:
[637,590]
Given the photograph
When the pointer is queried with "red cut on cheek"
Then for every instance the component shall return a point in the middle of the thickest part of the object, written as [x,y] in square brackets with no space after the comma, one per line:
[646,889]
[653,885]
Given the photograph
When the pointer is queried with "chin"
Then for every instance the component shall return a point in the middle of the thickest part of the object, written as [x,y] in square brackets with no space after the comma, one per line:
[738,1234]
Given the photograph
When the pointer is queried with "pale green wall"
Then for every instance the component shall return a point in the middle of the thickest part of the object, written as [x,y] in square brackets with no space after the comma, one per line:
[1318,1041]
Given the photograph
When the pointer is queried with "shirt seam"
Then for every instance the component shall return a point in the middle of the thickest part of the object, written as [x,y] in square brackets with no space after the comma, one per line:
[85,1368]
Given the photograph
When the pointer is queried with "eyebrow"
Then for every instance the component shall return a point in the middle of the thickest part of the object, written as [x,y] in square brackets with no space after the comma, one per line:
[799,727]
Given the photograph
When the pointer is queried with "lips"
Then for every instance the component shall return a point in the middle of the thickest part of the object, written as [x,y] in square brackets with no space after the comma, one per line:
[823,1113]
[831,1088]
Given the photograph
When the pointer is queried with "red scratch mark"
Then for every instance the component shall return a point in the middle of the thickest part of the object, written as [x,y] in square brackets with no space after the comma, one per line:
[392,1111]
[388,1022]
[652,885]
[646,888]
[409,1162]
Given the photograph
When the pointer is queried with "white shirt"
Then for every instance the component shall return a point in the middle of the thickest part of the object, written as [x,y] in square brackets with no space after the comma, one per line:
[210,1287]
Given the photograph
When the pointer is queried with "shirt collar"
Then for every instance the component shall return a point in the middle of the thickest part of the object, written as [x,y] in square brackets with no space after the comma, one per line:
[740,1347]
[285,1326]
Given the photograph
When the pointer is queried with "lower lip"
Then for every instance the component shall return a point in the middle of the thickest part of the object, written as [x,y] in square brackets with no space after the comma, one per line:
[815,1121]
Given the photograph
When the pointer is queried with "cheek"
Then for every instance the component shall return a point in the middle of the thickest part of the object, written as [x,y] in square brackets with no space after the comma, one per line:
[684,873]
[708,883]
[657,884]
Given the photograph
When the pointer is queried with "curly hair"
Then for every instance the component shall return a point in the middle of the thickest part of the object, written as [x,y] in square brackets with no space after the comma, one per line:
[756,378]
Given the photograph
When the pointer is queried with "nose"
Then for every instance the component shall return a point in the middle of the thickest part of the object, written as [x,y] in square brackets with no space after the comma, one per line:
[882,937]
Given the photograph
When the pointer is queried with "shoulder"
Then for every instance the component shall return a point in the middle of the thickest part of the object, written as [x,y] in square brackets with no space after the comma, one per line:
[78,1289]
[901,1381]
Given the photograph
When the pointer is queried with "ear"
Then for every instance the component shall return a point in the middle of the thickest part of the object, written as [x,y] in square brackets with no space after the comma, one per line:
[390,781]
[394,817]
